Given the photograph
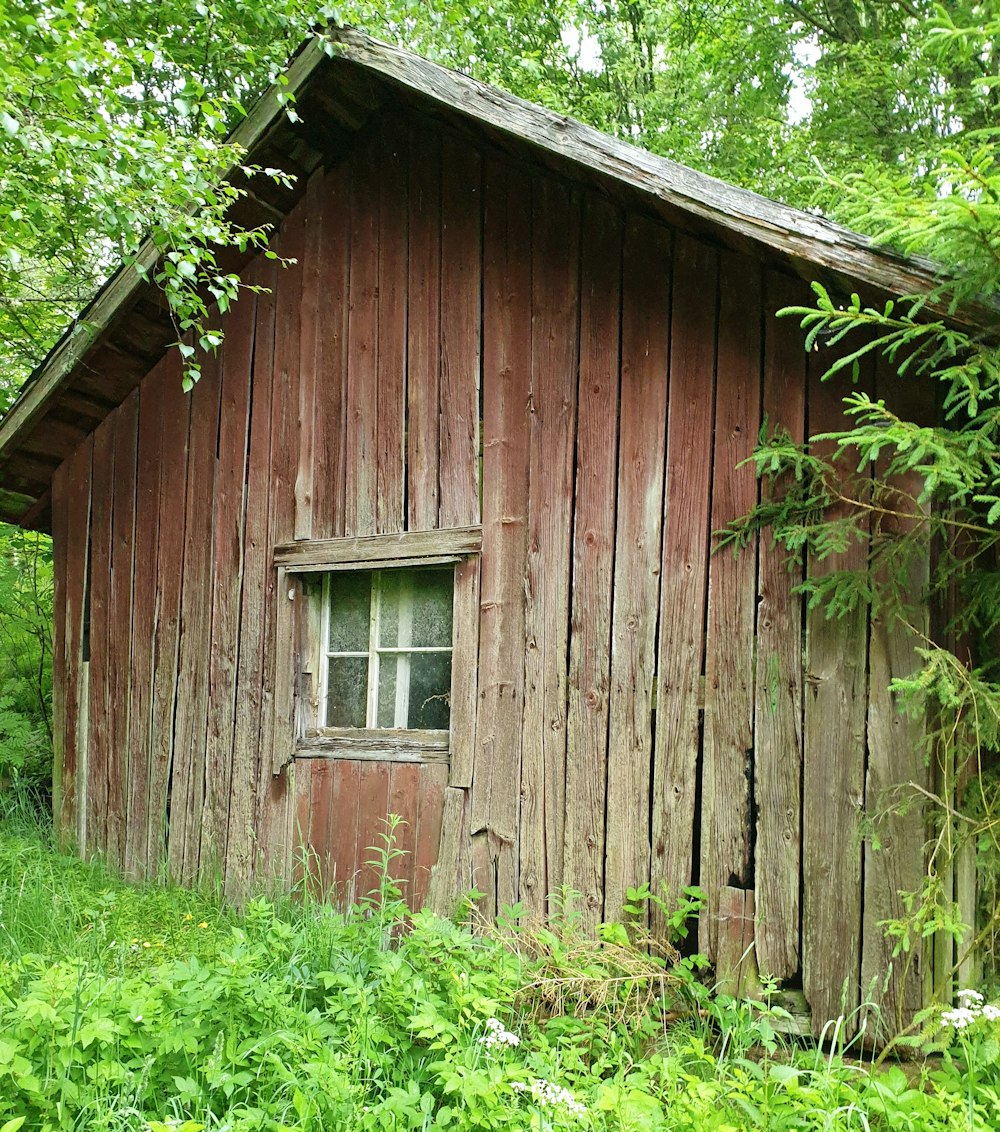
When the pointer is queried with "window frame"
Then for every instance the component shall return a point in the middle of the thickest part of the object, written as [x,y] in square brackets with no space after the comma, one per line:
[303,568]
[375,654]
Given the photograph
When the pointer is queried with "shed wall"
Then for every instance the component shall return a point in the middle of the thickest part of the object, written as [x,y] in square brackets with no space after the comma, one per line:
[461,340]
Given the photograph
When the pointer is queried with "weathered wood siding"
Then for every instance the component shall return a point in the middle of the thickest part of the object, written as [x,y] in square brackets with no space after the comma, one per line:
[463,340]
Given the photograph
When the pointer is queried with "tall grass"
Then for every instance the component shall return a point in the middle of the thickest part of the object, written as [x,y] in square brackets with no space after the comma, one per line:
[149,1007]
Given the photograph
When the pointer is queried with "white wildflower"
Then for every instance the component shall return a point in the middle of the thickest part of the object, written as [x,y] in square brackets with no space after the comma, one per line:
[547,1094]
[991,1012]
[959,1018]
[498,1035]
[965,997]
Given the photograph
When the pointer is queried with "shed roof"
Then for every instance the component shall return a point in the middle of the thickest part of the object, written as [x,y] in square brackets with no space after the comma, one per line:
[340,81]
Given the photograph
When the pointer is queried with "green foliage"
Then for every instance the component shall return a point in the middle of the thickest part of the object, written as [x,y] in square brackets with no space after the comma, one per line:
[154,1008]
[921,491]
[114,116]
[25,662]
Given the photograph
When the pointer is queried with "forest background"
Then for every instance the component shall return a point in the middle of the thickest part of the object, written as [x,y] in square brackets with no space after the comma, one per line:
[880,114]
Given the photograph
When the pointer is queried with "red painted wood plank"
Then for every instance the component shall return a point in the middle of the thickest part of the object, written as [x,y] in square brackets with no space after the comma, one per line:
[430,810]
[727,767]
[593,557]
[344,796]
[373,808]
[147,495]
[393,154]
[638,528]
[119,667]
[310,329]
[75,474]
[423,329]
[61,662]
[318,830]
[778,699]
[274,802]
[169,574]
[685,564]
[461,331]
[404,791]
[833,775]
[897,746]
[187,788]
[361,505]
[98,731]
[303,870]
[227,581]
[256,574]
[330,358]
[554,361]
[506,427]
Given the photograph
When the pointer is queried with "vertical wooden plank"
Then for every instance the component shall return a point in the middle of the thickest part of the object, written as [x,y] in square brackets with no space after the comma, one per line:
[74,477]
[896,744]
[393,152]
[274,801]
[431,791]
[187,785]
[288,607]
[727,773]
[373,809]
[256,574]
[638,530]
[685,563]
[404,790]
[778,694]
[554,359]
[593,557]
[464,671]
[176,406]
[507,385]
[330,385]
[61,665]
[461,329]
[311,269]
[318,821]
[120,621]
[227,581]
[362,447]
[423,329]
[147,496]
[450,876]
[344,798]
[302,869]
[100,618]
[317,829]
[833,774]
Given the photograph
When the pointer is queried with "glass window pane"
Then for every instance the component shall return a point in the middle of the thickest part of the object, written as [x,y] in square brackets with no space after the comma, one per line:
[347,691]
[430,691]
[387,665]
[350,598]
[416,608]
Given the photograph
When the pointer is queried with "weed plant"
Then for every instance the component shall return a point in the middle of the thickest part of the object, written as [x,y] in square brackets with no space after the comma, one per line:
[154,1008]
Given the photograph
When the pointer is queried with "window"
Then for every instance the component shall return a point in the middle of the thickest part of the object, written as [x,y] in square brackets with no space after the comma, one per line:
[387,649]
[375,647]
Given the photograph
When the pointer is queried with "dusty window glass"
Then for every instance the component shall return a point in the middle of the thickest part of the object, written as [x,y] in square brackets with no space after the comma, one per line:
[388,642]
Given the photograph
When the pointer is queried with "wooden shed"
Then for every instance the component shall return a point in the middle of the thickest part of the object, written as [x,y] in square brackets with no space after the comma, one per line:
[433,536]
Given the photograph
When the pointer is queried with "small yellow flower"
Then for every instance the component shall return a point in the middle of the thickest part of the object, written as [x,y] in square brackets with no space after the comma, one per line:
[188,916]
[203,924]
[146,943]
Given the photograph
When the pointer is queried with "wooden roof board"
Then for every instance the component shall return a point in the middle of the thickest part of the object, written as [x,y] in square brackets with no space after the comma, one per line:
[344,78]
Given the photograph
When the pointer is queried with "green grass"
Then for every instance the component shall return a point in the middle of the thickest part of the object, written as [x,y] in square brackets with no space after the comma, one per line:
[146,1008]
